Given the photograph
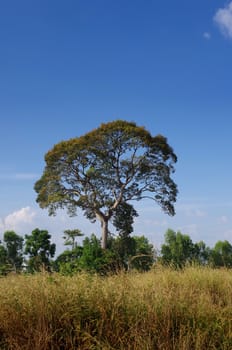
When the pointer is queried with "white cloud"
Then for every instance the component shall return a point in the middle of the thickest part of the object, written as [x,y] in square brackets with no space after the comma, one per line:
[207,35]
[194,212]
[223,219]
[226,235]
[19,176]
[18,219]
[190,230]
[143,222]
[26,219]
[200,213]
[223,18]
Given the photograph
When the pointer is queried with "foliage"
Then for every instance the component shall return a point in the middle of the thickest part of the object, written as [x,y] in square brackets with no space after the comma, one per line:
[221,254]
[3,260]
[202,254]
[67,263]
[123,218]
[122,253]
[179,250]
[11,253]
[106,167]
[124,248]
[40,249]
[14,248]
[134,252]
[70,237]
[144,256]
[94,258]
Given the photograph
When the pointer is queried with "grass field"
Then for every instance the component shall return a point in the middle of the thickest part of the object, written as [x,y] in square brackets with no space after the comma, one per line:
[160,309]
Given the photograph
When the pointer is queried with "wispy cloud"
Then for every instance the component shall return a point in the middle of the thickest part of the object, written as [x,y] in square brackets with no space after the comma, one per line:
[223,18]
[196,212]
[19,176]
[189,229]
[223,219]
[207,35]
[151,222]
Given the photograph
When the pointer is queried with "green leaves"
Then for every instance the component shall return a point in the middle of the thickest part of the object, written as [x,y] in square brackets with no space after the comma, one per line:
[123,218]
[113,164]
[14,248]
[40,249]
[178,249]
[221,254]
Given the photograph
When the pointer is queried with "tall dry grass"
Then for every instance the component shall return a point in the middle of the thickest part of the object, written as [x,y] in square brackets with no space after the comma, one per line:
[162,309]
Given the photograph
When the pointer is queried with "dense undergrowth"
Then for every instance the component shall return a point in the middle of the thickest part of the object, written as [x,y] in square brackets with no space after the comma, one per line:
[161,309]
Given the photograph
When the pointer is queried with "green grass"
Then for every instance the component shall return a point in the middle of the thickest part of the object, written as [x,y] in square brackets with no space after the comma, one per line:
[161,309]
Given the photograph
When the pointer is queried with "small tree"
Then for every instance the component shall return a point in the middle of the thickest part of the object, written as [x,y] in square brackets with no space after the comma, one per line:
[3,260]
[113,164]
[70,237]
[221,254]
[202,253]
[94,259]
[178,249]
[68,261]
[40,249]
[144,254]
[14,247]
[133,252]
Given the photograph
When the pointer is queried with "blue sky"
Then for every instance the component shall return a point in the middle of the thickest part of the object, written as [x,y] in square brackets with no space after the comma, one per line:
[68,66]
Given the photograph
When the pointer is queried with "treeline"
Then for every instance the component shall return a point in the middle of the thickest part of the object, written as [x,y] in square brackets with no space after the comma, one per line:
[179,250]
[35,252]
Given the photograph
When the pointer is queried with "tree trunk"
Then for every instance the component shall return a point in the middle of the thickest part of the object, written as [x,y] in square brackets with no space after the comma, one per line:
[104,226]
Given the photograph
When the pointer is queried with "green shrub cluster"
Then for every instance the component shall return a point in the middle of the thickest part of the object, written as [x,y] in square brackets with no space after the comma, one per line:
[35,252]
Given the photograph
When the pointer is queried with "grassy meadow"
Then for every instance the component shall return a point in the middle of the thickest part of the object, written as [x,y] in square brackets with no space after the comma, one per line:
[161,309]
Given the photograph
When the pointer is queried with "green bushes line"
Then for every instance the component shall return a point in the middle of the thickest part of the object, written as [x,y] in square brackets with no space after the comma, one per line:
[124,252]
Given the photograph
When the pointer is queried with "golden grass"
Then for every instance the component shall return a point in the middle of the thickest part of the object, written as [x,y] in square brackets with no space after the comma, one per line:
[162,309]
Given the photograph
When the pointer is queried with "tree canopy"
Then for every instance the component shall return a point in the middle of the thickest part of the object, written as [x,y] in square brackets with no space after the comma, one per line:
[40,249]
[14,248]
[113,164]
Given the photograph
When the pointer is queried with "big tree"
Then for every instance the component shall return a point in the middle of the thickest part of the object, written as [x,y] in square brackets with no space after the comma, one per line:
[105,168]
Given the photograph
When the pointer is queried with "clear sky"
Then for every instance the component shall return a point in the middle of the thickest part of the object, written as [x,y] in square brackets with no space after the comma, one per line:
[67,66]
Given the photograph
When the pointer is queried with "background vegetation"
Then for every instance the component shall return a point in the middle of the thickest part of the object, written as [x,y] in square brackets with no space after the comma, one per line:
[35,252]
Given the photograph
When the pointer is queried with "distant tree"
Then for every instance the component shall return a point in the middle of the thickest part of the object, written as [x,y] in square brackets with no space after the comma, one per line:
[144,256]
[221,254]
[70,237]
[125,248]
[95,259]
[124,252]
[202,253]
[4,267]
[14,248]
[113,164]
[133,252]
[178,249]
[68,262]
[40,249]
